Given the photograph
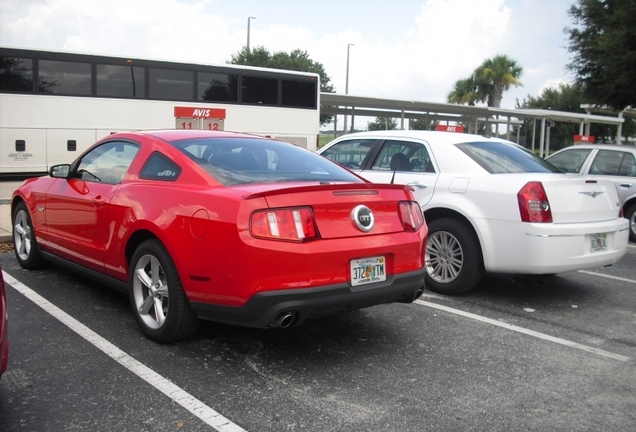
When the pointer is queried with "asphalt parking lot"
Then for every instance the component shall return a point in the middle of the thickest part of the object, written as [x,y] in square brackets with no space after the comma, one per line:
[518,353]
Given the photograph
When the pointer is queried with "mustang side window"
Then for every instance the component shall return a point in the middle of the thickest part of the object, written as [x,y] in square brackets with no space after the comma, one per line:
[107,163]
[159,167]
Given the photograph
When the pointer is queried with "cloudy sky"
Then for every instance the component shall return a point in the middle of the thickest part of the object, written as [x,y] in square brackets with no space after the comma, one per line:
[403,49]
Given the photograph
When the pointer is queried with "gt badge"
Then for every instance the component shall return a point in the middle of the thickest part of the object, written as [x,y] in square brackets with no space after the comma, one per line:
[363,218]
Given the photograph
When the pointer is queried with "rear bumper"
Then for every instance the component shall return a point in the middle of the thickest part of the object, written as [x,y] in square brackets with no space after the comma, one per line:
[262,309]
[553,248]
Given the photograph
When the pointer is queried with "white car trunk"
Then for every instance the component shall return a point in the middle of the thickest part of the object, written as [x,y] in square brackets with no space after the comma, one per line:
[580,200]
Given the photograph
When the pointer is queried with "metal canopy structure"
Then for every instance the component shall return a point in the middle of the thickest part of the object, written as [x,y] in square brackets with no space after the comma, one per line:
[339,104]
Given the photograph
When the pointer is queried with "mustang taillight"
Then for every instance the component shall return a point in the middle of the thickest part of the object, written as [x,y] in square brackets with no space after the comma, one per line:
[291,224]
[411,215]
[533,203]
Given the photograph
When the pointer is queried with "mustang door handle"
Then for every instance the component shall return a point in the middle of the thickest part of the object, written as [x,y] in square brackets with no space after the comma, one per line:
[626,185]
[99,201]
[417,185]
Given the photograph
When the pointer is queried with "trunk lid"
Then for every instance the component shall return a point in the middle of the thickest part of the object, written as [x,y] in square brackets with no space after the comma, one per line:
[334,205]
[579,200]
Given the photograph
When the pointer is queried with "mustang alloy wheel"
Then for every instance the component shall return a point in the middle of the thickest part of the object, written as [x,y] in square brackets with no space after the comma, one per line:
[157,298]
[24,243]
[453,258]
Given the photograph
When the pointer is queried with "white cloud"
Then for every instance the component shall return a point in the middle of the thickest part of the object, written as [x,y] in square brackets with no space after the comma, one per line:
[415,55]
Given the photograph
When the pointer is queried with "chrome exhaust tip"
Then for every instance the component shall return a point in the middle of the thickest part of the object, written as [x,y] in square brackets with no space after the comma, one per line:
[419,293]
[284,320]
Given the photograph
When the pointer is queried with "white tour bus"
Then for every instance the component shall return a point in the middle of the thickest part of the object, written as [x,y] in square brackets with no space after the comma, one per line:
[53,105]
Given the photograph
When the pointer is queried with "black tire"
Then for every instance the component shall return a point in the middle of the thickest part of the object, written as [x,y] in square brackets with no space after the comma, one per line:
[159,303]
[25,245]
[454,263]
[630,214]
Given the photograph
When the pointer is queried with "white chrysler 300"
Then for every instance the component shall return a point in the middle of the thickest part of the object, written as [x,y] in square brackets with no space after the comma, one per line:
[491,205]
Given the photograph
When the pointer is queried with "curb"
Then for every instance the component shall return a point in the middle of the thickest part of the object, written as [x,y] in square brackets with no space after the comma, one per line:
[6,238]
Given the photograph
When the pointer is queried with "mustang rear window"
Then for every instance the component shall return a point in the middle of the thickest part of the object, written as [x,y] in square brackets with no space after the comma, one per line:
[235,161]
[501,158]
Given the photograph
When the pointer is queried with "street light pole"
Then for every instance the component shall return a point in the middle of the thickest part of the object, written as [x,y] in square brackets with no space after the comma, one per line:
[347,87]
[248,31]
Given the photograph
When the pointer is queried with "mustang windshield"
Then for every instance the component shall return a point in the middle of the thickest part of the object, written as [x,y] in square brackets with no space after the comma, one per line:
[234,161]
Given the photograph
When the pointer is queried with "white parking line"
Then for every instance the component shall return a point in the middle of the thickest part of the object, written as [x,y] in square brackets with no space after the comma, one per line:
[607,276]
[178,395]
[525,331]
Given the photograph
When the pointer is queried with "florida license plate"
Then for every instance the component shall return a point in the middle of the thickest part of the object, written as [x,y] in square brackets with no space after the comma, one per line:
[599,242]
[368,270]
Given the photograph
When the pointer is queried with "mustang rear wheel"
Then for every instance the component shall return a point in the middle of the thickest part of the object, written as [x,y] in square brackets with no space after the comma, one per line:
[24,244]
[453,257]
[631,216]
[156,295]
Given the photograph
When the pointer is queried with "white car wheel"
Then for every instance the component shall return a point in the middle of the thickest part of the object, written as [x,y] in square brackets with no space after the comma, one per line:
[453,257]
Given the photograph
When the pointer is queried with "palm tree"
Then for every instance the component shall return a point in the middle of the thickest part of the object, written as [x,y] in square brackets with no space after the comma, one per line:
[464,92]
[496,75]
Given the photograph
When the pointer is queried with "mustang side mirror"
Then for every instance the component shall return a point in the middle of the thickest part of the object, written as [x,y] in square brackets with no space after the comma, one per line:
[60,171]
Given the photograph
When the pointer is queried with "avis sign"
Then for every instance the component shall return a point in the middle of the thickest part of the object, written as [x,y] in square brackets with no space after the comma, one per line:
[199,118]
[449,128]
[582,139]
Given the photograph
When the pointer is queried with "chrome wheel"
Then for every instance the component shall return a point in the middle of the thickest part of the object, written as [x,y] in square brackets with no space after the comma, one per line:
[444,257]
[25,245]
[22,239]
[454,264]
[631,216]
[150,292]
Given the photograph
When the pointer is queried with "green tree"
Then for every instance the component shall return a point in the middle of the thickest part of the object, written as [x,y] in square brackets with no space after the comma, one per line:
[604,47]
[568,98]
[382,123]
[296,60]
[487,83]
[415,124]
[464,92]
[494,76]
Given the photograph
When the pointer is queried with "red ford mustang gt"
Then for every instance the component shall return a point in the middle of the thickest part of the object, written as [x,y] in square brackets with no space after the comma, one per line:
[221,226]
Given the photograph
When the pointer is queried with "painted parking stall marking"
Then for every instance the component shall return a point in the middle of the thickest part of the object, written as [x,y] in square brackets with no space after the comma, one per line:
[526,331]
[607,276]
[174,392]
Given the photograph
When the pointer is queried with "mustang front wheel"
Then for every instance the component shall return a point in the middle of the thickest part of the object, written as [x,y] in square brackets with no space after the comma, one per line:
[157,298]
[453,257]
[24,244]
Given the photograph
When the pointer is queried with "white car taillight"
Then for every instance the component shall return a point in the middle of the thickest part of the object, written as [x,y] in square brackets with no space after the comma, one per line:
[291,224]
[533,203]
[411,215]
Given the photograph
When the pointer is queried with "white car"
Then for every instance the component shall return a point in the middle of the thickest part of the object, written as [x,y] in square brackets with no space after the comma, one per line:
[491,205]
[605,161]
